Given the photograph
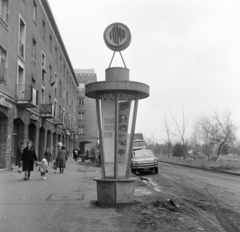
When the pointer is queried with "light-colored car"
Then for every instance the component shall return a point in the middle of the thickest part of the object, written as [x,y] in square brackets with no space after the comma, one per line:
[144,160]
[139,145]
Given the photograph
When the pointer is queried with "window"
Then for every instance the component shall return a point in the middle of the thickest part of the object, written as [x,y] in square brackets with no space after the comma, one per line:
[81,129]
[21,75]
[43,29]
[34,49]
[3,56]
[56,54]
[60,63]
[43,67]
[50,43]
[66,118]
[55,82]
[81,115]
[64,71]
[81,101]
[50,75]
[33,82]
[60,89]
[63,115]
[4,10]
[43,95]
[64,94]
[59,110]
[34,12]
[22,38]
[81,87]
[55,108]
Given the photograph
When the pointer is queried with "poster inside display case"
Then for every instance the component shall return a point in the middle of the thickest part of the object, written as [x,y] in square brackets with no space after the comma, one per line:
[123,137]
[108,134]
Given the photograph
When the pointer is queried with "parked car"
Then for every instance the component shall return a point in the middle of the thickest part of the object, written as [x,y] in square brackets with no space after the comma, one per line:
[144,160]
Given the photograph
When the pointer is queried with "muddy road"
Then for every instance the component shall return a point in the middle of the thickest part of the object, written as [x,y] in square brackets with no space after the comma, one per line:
[206,201]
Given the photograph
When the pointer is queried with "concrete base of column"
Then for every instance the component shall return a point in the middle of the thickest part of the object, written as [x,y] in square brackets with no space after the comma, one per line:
[115,191]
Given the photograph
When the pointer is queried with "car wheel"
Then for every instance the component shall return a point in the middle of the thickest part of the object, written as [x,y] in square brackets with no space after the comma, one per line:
[156,170]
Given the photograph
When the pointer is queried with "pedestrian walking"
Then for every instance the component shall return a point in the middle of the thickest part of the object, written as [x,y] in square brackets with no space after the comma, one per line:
[19,154]
[61,159]
[75,154]
[27,159]
[48,155]
[43,165]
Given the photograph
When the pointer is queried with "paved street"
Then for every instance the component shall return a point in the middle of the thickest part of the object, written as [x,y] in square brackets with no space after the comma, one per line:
[62,202]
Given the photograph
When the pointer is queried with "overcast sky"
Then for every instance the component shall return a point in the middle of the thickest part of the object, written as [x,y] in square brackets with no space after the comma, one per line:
[187,51]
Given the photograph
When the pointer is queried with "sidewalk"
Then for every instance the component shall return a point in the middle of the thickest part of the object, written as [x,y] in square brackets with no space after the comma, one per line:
[61,203]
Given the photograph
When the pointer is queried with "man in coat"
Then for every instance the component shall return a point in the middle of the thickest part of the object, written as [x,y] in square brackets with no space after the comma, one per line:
[27,159]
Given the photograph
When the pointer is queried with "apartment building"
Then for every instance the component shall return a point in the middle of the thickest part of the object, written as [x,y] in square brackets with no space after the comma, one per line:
[86,111]
[38,86]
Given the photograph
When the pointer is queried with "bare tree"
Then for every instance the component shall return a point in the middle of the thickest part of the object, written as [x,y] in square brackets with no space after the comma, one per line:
[203,126]
[218,129]
[180,129]
[169,136]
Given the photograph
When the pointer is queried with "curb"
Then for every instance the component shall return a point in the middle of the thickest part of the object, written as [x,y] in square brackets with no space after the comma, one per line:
[204,169]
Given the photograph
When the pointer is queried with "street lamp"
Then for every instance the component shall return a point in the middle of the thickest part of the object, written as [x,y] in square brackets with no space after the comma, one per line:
[117,102]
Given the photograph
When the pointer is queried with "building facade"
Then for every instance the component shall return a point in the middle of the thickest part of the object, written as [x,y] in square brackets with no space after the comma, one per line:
[38,86]
[86,111]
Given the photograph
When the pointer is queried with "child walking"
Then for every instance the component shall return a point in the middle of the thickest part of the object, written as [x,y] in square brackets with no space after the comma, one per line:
[43,168]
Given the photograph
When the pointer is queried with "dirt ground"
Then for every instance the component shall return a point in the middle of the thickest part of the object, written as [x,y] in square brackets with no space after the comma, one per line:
[184,201]
[232,166]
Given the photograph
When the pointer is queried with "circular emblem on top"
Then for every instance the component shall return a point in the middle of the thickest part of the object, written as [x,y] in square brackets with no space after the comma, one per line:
[117,37]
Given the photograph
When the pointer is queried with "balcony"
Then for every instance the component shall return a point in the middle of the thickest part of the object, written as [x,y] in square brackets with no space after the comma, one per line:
[47,110]
[58,120]
[66,127]
[72,130]
[26,96]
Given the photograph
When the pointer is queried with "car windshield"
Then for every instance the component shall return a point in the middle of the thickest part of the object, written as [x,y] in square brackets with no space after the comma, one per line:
[143,154]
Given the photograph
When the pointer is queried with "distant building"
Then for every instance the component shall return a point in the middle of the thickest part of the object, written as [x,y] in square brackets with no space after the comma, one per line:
[86,111]
[38,87]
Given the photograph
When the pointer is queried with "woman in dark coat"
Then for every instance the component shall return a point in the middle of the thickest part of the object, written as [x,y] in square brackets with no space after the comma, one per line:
[61,158]
[27,159]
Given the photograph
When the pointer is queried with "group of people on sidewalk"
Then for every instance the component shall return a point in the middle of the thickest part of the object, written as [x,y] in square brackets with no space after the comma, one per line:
[26,157]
